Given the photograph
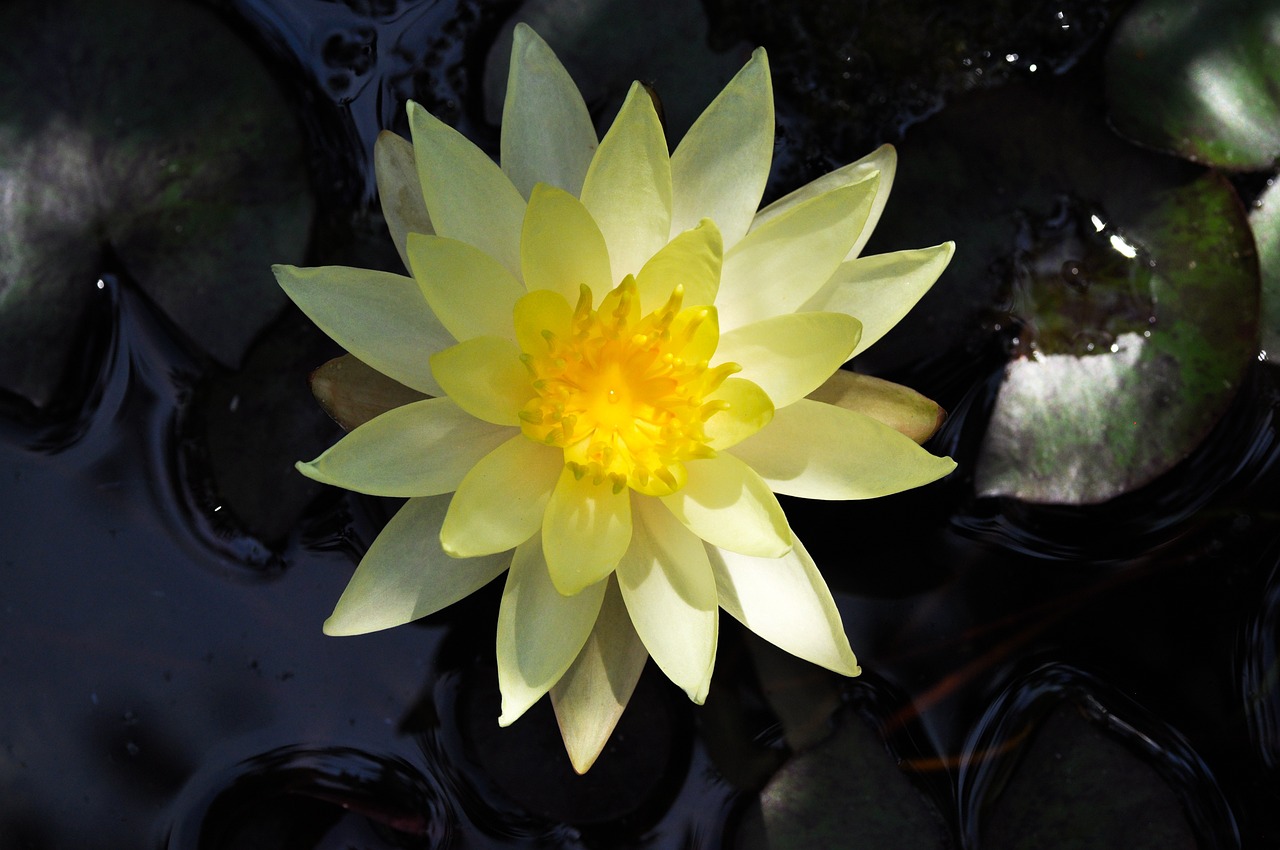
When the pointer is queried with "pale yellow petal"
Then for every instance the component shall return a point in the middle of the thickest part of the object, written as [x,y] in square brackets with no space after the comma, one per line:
[670,592]
[500,502]
[540,632]
[901,408]
[470,292]
[538,314]
[748,410]
[379,317]
[485,377]
[562,248]
[786,602]
[728,505]
[692,260]
[790,356]
[590,697]
[628,186]
[405,575]
[547,134]
[420,449]
[586,530]
[399,190]
[819,451]
[883,161]
[782,263]
[880,289]
[720,167]
[466,194]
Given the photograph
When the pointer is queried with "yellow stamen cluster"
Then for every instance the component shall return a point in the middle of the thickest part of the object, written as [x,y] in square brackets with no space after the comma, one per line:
[624,395]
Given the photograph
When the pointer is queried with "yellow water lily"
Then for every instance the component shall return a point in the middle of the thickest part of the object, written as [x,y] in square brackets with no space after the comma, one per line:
[613,351]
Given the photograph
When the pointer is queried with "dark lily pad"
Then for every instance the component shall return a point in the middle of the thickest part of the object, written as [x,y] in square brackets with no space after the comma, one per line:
[1078,787]
[848,791]
[144,137]
[1199,78]
[1126,282]
[1062,760]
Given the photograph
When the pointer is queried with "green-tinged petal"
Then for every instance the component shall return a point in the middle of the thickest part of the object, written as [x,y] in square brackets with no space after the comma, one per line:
[786,602]
[720,167]
[405,574]
[353,392]
[399,190]
[467,195]
[540,632]
[882,288]
[901,408]
[628,186]
[782,263]
[547,134]
[670,592]
[819,451]
[379,317]
[728,505]
[470,292]
[790,356]
[500,502]
[485,377]
[749,409]
[420,449]
[882,161]
[586,530]
[561,247]
[691,260]
[591,695]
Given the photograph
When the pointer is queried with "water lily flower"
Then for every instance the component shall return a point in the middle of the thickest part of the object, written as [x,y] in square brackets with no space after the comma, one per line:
[610,351]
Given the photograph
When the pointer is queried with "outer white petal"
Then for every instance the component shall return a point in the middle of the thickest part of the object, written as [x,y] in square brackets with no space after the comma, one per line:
[880,289]
[500,502]
[379,317]
[883,161]
[540,632]
[786,602]
[720,167]
[591,695]
[727,504]
[467,195]
[782,263]
[820,451]
[670,592]
[399,190]
[405,574]
[789,356]
[420,449]
[628,186]
[547,134]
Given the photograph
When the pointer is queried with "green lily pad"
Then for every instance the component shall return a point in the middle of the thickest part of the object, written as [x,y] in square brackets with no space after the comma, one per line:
[1199,78]
[1129,281]
[1264,218]
[140,136]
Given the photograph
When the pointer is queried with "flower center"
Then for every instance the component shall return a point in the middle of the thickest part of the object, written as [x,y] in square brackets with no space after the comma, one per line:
[625,395]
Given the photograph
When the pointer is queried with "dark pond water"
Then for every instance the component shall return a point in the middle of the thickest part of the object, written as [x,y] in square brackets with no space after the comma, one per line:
[1034,676]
